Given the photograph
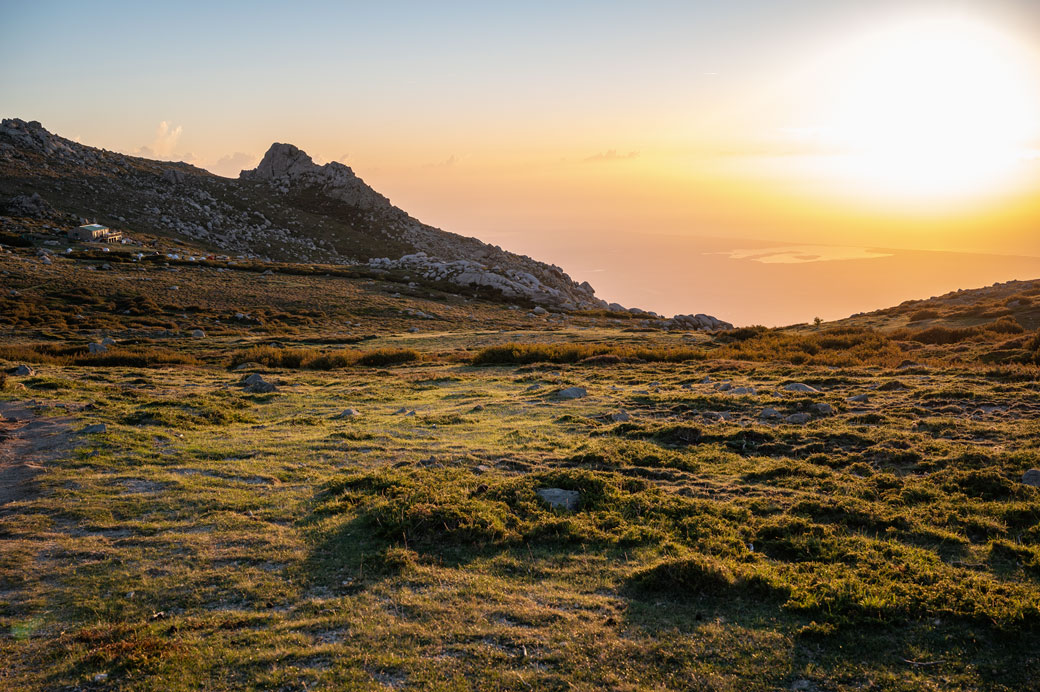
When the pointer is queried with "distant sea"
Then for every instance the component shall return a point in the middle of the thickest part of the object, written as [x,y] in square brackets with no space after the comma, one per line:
[759,282]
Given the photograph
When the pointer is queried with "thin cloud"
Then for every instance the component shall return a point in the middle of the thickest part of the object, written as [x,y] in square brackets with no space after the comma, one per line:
[446,163]
[233,164]
[164,144]
[611,155]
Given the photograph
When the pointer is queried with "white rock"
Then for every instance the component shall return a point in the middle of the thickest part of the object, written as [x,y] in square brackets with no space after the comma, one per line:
[572,393]
[557,498]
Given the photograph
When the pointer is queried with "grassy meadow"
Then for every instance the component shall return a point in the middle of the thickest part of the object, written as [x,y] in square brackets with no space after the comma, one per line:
[212,537]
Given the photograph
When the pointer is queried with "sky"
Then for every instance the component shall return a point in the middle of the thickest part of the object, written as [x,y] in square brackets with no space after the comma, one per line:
[901,124]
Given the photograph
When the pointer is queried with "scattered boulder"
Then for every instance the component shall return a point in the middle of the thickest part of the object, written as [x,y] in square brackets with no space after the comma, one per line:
[349,413]
[620,417]
[743,390]
[255,384]
[859,399]
[97,348]
[557,498]
[800,387]
[97,428]
[23,371]
[769,413]
[539,310]
[108,341]
[824,409]
[800,418]
[1032,477]
[572,393]
[198,334]
[893,386]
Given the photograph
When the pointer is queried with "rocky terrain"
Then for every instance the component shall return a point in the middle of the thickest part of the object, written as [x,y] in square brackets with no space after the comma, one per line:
[288,209]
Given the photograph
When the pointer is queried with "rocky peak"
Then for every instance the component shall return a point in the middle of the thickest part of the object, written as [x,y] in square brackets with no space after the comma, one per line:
[282,161]
[285,166]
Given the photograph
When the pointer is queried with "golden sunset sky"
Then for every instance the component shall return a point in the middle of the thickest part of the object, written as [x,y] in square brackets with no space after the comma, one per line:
[877,123]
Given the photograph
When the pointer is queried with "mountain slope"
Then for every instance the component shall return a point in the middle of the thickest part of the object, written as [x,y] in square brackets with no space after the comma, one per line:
[288,208]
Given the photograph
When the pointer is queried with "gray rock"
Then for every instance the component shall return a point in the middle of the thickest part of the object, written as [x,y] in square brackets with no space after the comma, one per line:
[824,409]
[539,310]
[769,413]
[256,384]
[95,429]
[859,399]
[572,393]
[349,413]
[800,418]
[799,387]
[108,341]
[24,371]
[557,498]
[620,417]
[198,334]
[97,348]
[1032,477]
[743,390]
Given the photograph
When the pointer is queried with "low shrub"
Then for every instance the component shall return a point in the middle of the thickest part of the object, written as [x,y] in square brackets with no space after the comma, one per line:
[591,354]
[313,359]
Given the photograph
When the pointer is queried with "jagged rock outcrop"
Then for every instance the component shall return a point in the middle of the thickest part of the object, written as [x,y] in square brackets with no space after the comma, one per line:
[285,165]
[509,282]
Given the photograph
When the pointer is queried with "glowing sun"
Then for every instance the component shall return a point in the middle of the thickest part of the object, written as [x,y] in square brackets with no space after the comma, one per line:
[931,107]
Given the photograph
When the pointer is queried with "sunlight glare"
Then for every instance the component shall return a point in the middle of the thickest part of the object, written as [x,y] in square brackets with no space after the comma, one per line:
[932,108]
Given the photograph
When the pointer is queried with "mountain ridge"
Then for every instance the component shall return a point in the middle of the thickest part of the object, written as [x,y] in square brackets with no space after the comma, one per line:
[288,208]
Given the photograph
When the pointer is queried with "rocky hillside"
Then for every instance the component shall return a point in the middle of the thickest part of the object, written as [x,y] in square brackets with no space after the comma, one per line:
[286,209]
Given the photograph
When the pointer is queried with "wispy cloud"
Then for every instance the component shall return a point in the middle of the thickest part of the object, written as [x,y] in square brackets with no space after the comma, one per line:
[446,163]
[164,144]
[611,155]
[233,164]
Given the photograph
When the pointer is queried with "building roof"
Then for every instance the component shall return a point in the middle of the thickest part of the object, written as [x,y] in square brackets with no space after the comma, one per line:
[94,227]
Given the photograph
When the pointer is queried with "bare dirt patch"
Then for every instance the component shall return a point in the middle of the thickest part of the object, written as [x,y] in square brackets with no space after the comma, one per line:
[27,443]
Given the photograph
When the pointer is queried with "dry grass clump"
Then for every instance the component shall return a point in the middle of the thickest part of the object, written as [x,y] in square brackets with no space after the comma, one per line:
[592,354]
[841,346]
[943,336]
[314,359]
[61,354]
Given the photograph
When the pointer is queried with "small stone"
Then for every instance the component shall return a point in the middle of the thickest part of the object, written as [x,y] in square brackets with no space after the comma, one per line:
[859,399]
[769,413]
[800,387]
[824,409]
[539,310]
[620,417]
[101,677]
[557,498]
[97,348]
[108,341]
[572,393]
[198,334]
[97,428]
[1032,477]
[478,408]
[742,390]
[349,413]
[24,371]
[800,418]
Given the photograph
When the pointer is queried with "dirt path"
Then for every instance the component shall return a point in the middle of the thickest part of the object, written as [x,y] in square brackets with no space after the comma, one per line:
[27,443]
